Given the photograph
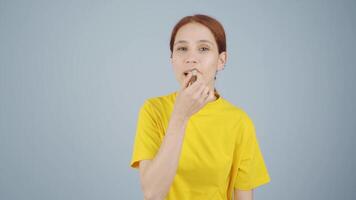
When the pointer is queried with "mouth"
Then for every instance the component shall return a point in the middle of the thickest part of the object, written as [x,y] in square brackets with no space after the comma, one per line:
[193,78]
[193,71]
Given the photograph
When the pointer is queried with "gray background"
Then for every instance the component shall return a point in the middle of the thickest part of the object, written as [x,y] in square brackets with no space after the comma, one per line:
[74,74]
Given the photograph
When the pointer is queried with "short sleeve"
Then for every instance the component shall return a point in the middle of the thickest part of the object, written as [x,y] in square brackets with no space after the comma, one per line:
[252,171]
[147,139]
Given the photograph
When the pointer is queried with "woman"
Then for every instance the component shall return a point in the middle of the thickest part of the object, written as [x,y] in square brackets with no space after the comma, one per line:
[193,143]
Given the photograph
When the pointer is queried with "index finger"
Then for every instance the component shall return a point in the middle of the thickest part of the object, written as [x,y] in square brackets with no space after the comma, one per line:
[200,78]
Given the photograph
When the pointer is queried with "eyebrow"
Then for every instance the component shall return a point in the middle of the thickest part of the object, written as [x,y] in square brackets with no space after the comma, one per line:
[199,41]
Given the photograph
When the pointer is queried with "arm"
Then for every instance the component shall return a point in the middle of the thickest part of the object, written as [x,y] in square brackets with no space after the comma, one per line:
[243,194]
[157,174]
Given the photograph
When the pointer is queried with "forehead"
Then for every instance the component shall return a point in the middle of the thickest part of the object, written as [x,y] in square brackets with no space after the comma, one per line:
[194,32]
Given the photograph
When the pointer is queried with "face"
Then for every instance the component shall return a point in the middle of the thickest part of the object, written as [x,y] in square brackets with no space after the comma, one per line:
[195,47]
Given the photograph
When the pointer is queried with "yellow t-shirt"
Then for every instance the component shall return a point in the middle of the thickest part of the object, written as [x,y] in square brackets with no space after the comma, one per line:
[220,150]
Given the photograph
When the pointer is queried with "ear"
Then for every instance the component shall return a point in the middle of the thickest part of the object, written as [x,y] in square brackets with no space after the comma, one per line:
[222,60]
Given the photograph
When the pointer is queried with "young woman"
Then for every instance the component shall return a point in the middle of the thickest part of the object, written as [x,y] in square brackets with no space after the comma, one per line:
[192,143]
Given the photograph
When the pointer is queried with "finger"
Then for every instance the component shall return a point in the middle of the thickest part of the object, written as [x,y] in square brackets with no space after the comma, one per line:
[197,76]
[186,81]
[205,93]
[199,92]
[192,79]
[194,85]
[203,79]
[211,96]
[197,88]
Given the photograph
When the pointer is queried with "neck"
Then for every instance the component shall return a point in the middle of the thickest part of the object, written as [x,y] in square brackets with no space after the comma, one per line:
[213,89]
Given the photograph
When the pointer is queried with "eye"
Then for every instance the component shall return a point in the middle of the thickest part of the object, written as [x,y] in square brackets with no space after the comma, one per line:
[181,49]
[204,49]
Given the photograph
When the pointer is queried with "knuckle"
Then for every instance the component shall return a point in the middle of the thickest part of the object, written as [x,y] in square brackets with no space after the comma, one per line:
[201,100]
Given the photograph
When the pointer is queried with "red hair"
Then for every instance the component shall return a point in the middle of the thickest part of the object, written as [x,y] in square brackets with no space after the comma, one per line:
[212,24]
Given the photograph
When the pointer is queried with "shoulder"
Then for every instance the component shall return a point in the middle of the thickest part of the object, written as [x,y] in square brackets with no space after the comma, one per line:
[243,125]
[239,113]
[158,103]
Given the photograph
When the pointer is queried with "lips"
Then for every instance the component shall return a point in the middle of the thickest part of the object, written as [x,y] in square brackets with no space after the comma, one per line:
[194,71]
[193,78]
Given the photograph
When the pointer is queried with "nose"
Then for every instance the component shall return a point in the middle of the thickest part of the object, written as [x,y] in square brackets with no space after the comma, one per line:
[191,58]
[191,64]
[190,61]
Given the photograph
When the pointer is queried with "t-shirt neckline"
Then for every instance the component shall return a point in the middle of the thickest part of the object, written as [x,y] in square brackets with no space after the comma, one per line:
[209,105]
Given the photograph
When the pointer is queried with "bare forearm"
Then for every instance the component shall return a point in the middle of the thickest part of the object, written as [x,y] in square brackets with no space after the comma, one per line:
[161,171]
[243,194]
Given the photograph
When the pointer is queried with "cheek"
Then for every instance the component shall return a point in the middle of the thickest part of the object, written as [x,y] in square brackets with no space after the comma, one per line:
[174,60]
[177,64]
[209,62]
[177,58]
[176,68]
[211,58]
